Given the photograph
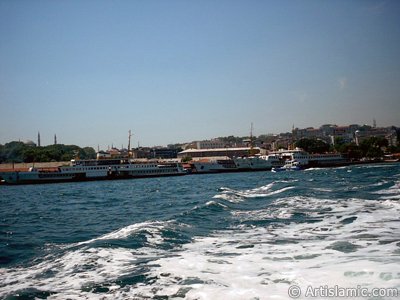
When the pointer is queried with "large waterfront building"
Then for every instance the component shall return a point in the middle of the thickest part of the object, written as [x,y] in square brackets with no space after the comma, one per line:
[210,144]
[218,152]
[164,153]
[156,152]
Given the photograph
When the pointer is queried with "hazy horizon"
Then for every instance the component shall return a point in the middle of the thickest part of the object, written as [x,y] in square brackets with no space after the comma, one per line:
[178,71]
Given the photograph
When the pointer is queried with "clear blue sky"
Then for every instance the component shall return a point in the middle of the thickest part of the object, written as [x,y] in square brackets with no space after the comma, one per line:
[176,71]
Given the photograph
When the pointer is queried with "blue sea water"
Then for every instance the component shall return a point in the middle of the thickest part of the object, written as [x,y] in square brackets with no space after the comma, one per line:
[234,236]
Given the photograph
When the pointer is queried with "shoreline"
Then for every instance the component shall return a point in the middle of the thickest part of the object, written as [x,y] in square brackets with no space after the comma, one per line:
[22,167]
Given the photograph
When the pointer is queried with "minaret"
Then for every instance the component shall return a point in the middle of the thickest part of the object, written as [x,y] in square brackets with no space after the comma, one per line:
[38,139]
[55,139]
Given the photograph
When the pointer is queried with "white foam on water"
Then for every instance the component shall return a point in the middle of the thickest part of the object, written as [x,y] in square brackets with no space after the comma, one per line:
[376,166]
[236,196]
[151,228]
[354,243]
[394,189]
[380,183]
[312,169]
[82,265]
[211,203]
[69,273]
[350,242]
[263,214]
[323,190]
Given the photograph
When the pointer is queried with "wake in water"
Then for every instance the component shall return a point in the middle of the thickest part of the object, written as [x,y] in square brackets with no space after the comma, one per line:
[299,231]
[232,195]
[347,243]
[83,268]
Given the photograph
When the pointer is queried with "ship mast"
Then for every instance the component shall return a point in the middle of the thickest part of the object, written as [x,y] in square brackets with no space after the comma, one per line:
[129,143]
[251,140]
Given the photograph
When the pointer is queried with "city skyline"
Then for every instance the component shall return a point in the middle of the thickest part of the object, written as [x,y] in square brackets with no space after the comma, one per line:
[179,71]
[124,145]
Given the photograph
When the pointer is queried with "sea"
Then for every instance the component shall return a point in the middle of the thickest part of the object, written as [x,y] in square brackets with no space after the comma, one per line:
[317,233]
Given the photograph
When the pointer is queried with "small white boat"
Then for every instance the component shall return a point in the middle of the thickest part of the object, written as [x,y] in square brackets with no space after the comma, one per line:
[290,165]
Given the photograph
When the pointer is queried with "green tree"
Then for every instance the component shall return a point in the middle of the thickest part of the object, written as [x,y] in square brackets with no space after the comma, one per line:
[20,152]
[13,151]
[2,156]
[313,145]
[87,153]
[351,150]
[30,154]
[339,144]
[373,147]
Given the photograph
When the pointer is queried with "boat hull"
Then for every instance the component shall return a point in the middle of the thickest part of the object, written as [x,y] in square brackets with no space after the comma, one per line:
[39,177]
[14,179]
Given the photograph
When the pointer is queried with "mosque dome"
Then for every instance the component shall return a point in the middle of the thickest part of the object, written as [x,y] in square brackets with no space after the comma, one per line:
[30,143]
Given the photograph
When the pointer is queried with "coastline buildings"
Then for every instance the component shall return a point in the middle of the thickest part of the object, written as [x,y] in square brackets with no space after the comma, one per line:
[332,133]
[329,133]
[231,146]
[389,133]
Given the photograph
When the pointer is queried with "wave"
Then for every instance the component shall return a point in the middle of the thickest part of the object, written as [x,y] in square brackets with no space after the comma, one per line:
[152,230]
[214,203]
[236,196]
[296,238]
[313,169]
[355,242]
[326,190]
[84,264]
[67,274]
[389,193]
[394,189]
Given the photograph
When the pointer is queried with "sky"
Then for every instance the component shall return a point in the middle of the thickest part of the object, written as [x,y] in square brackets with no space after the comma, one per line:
[177,71]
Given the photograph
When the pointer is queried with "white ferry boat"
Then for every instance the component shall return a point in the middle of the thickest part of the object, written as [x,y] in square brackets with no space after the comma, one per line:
[306,159]
[96,169]
[273,159]
[213,166]
[253,163]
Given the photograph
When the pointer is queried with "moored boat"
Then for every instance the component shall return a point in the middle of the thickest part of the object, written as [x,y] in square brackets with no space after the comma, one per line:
[252,163]
[95,169]
[307,160]
[290,165]
[212,166]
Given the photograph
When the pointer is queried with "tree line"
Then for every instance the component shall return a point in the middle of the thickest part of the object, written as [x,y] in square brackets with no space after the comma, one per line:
[373,147]
[21,152]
